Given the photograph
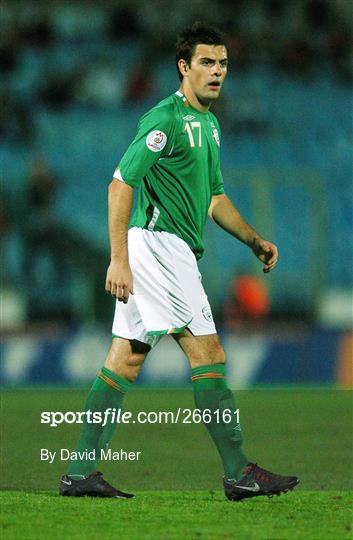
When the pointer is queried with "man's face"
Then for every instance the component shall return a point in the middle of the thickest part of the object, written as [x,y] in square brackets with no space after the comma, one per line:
[207,71]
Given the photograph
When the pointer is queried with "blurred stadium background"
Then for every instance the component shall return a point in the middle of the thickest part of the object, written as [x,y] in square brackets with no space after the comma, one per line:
[76,76]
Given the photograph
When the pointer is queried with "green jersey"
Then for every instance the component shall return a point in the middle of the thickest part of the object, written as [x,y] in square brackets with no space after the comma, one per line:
[175,160]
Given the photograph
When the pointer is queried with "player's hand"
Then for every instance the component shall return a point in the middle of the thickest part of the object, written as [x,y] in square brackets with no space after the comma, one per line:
[267,253]
[119,281]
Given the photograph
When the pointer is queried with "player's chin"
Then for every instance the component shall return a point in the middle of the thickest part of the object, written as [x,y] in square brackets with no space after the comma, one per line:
[213,94]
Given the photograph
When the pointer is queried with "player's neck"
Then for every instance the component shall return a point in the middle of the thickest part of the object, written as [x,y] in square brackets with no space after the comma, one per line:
[192,98]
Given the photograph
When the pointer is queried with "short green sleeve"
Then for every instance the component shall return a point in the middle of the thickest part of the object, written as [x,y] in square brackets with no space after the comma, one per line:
[217,182]
[153,141]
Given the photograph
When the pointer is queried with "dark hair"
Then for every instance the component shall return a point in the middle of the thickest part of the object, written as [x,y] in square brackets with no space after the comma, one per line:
[196,34]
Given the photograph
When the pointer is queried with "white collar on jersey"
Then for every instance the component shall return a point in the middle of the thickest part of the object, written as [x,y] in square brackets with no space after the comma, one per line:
[179,94]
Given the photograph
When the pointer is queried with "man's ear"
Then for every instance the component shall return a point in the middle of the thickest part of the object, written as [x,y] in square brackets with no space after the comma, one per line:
[183,66]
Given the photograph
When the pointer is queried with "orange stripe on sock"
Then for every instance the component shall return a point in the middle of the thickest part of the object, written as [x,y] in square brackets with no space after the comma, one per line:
[109,381]
[210,375]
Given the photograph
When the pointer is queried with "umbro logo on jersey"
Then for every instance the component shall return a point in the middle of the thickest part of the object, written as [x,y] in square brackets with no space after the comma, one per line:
[189,117]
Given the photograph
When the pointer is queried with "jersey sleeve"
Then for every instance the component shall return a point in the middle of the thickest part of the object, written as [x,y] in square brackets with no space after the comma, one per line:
[152,141]
[217,181]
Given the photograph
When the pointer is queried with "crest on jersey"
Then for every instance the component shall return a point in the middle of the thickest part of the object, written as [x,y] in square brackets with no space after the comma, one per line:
[215,135]
[156,141]
[188,117]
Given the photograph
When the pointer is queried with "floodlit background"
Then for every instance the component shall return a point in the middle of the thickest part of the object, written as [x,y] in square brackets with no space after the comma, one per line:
[76,76]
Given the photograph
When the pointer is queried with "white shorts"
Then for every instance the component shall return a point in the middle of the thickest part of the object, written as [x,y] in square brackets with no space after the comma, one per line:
[169,295]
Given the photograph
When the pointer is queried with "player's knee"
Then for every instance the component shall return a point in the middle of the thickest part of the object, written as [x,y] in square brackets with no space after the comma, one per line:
[128,368]
[211,355]
[219,356]
[130,374]
[132,366]
[124,361]
[215,353]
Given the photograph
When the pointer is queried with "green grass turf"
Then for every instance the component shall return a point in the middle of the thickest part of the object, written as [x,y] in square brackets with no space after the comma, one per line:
[177,515]
[307,432]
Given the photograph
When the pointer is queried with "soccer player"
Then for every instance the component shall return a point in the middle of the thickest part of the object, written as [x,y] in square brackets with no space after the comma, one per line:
[174,160]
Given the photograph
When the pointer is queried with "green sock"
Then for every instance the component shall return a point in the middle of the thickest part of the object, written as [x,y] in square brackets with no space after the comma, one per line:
[107,392]
[212,395]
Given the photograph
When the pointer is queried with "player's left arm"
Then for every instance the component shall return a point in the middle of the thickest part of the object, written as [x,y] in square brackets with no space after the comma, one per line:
[224,213]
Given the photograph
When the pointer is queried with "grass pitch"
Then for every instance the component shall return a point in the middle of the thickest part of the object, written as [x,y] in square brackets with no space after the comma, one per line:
[177,479]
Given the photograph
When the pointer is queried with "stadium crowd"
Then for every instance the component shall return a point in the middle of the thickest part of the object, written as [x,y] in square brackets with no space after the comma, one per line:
[109,57]
[295,36]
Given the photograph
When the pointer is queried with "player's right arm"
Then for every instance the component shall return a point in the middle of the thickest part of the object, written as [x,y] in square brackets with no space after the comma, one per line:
[152,141]
[119,281]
